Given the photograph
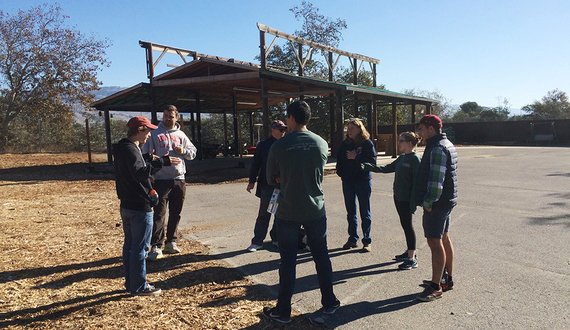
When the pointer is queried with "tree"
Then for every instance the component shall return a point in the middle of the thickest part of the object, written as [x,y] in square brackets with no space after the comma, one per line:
[554,105]
[473,112]
[442,108]
[45,68]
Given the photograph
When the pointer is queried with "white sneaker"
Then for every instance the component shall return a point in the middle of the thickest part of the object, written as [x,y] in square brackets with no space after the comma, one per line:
[155,253]
[254,247]
[171,248]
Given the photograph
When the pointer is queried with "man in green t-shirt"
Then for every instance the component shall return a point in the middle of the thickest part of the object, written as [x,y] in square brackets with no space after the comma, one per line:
[297,162]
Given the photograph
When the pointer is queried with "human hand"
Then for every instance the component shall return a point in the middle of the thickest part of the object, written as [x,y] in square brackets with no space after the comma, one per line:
[173,160]
[351,154]
[179,150]
[278,179]
[249,187]
[154,156]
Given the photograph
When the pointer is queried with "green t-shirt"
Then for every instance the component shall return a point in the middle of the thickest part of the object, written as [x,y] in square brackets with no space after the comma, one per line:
[299,160]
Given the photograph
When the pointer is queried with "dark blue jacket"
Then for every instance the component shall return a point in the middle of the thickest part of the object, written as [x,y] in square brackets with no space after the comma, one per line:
[448,196]
[350,170]
[259,163]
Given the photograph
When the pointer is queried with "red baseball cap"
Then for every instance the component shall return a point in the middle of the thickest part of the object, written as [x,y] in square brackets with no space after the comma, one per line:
[138,121]
[431,120]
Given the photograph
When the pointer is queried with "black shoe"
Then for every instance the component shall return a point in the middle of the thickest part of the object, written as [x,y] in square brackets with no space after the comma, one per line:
[445,285]
[270,313]
[332,309]
[348,245]
[429,294]
[409,264]
[404,256]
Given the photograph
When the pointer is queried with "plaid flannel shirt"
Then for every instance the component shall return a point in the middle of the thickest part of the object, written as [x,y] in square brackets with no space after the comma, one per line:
[437,168]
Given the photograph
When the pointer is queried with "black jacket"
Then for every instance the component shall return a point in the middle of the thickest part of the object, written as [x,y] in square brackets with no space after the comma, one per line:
[132,175]
[257,170]
[349,169]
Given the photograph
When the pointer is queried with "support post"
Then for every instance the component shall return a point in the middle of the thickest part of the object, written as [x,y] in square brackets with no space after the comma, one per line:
[199,126]
[236,132]
[339,121]
[395,131]
[251,128]
[108,137]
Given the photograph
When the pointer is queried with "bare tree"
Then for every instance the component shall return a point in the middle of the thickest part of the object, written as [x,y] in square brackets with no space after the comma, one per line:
[45,67]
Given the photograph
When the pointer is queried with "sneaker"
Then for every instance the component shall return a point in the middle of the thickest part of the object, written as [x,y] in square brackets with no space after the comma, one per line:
[348,245]
[254,247]
[155,253]
[332,309]
[366,247]
[445,285]
[150,290]
[404,256]
[171,248]
[271,314]
[429,294]
[409,264]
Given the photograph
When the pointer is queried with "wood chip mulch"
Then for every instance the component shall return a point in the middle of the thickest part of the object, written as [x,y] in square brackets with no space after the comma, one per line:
[61,268]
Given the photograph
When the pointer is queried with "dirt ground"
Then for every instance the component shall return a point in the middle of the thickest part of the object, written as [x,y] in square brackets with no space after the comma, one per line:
[61,241]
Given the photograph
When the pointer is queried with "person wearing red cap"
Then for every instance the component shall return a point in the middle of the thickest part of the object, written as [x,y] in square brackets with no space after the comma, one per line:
[264,190]
[436,191]
[133,171]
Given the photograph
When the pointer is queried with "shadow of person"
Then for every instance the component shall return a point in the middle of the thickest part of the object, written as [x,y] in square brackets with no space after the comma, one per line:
[59,309]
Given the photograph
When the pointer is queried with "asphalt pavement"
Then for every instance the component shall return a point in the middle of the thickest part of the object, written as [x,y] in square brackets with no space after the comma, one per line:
[511,232]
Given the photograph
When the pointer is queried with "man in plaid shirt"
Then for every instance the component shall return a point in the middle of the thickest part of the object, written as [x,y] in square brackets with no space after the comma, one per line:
[436,191]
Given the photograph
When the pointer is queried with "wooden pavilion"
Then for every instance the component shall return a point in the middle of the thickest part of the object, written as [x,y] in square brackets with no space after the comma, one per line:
[211,84]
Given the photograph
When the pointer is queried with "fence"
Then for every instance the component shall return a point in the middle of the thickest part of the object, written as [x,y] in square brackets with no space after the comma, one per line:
[503,132]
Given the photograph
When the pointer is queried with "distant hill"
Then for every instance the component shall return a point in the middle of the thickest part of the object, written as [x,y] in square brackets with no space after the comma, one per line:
[101,94]
[106,91]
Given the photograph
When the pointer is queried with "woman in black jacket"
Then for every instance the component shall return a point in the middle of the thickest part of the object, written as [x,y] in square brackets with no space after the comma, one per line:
[354,150]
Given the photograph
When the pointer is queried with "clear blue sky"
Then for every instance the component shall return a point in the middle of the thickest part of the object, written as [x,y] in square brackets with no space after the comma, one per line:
[467,50]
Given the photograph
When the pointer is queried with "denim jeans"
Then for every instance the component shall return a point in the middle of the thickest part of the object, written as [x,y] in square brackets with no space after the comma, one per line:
[362,191]
[137,226]
[288,238]
[263,218]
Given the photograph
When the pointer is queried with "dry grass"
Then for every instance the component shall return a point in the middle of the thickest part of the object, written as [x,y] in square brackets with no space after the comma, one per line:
[61,267]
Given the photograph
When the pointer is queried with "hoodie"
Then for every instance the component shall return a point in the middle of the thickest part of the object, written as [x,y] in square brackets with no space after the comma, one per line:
[163,140]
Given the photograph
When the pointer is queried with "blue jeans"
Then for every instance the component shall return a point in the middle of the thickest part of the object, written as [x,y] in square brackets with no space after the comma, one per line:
[263,218]
[137,226]
[288,238]
[362,191]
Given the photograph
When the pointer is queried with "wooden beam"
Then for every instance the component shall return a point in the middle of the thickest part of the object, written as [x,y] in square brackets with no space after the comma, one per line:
[206,79]
[313,44]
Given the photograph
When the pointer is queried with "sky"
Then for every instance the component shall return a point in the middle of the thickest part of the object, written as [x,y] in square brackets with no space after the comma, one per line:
[481,51]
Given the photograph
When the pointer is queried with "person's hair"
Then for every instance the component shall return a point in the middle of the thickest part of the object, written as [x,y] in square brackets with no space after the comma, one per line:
[135,130]
[301,111]
[171,108]
[363,135]
[411,137]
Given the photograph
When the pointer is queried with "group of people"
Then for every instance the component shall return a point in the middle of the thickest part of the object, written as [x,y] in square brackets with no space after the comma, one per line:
[292,168]
[294,164]
[150,178]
